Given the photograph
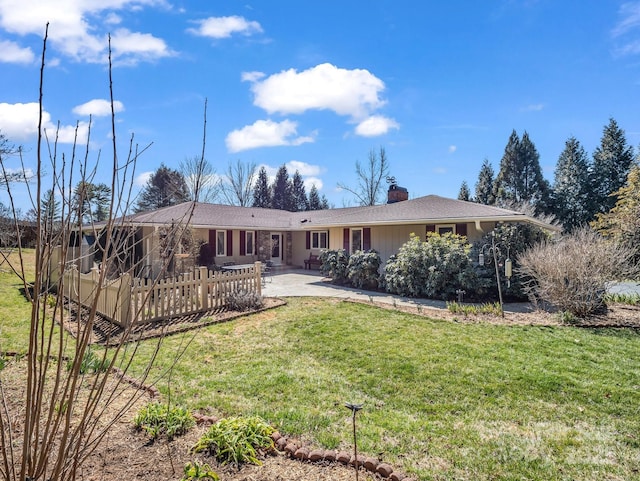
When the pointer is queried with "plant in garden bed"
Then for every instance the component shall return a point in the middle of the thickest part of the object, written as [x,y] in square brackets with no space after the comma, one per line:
[244,300]
[435,268]
[236,440]
[91,363]
[363,269]
[196,471]
[335,264]
[159,418]
[474,309]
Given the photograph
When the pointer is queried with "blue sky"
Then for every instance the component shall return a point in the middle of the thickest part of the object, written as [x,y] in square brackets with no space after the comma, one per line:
[317,85]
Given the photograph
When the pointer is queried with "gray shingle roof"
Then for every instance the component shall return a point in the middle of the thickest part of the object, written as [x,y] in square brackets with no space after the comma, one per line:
[428,209]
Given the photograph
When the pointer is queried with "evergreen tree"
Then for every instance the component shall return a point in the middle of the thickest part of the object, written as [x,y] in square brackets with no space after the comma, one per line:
[464,193]
[520,178]
[571,188]
[91,201]
[50,208]
[165,187]
[314,198]
[324,203]
[299,194]
[261,192]
[484,186]
[282,188]
[611,163]
[622,222]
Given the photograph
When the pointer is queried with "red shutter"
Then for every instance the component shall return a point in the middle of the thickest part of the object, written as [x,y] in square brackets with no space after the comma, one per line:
[229,242]
[308,239]
[431,227]
[212,241]
[366,239]
[243,242]
[345,239]
[461,229]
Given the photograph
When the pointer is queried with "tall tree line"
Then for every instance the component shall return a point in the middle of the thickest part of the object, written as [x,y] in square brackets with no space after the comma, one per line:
[582,188]
[286,193]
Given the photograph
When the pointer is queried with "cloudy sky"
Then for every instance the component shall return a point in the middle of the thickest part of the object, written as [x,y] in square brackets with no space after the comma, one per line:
[318,85]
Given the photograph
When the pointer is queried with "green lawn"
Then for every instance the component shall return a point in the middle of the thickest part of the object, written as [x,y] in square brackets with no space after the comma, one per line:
[15,310]
[442,400]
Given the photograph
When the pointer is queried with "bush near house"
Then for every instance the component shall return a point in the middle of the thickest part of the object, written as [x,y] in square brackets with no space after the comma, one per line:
[435,268]
[335,264]
[363,269]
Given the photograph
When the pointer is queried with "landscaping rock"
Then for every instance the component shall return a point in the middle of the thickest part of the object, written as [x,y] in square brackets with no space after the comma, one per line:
[384,470]
[330,456]
[275,436]
[396,476]
[281,443]
[370,464]
[343,457]
[316,455]
[361,459]
[301,453]
[290,449]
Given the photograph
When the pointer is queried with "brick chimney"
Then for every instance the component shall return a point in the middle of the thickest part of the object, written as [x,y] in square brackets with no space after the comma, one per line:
[396,194]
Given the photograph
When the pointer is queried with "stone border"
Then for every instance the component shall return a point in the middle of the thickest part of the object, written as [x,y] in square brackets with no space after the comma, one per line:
[295,449]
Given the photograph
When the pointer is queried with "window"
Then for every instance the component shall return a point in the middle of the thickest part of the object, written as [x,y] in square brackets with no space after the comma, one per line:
[221,242]
[445,229]
[356,240]
[250,245]
[319,240]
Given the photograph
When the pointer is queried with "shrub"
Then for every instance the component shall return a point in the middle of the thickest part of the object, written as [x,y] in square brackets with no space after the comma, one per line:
[435,269]
[157,419]
[511,240]
[236,439]
[91,363]
[195,471]
[335,264]
[363,269]
[243,300]
[572,272]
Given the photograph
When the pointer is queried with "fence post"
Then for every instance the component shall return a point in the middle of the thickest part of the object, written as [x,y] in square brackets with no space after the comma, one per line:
[203,280]
[124,299]
[258,280]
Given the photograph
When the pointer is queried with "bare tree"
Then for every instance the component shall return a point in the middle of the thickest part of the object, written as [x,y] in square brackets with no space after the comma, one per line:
[66,412]
[237,185]
[201,179]
[370,178]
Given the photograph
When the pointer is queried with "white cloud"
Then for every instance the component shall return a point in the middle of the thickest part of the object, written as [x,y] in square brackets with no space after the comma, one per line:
[19,122]
[142,179]
[376,125]
[98,108]
[11,52]
[265,133]
[439,170]
[630,18]
[78,29]
[130,47]
[303,168]
[452,149]
[224,27]
[533,108]
[354,93]
[251,76]
[310,181]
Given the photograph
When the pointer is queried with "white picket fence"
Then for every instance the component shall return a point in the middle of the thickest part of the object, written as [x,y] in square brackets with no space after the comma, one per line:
[126,300]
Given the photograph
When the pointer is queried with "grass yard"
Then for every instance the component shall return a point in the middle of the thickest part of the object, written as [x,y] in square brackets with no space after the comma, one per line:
[442,400]
[15,310]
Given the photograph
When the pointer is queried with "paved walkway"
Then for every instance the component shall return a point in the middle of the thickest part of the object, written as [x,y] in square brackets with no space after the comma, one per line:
[301,283]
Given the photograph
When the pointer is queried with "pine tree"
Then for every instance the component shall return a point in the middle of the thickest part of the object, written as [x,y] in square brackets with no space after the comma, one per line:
[165,187]
[298,193]
[282,188]
[484,186]
[611,163]
[571,188]
[91,201]
[622,222]
[520,178]
[261,191]
[314,198]
[464,193]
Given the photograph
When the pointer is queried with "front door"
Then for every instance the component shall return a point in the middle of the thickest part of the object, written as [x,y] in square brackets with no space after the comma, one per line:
[276,249]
